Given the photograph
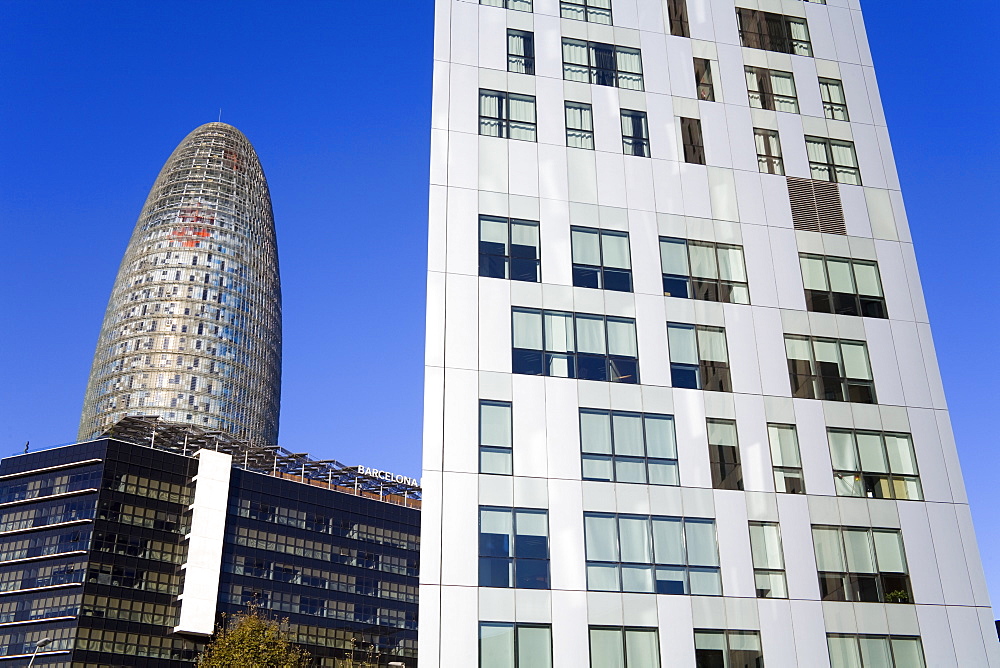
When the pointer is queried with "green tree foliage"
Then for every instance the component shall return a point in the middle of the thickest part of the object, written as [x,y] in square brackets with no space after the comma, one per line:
[251,640]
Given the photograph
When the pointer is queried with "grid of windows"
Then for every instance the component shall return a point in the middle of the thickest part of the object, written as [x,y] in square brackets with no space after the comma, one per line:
[602,64]
[872,464]
[513,548]
[703,270]
[768,561]
[579,125]
[843,285]
[635,133]
[833,160]
[43,514]
[785,459]
[520,52]
[724,454]
[628,447]
[519,5]
[594,11]
[662,555]
[692,141]
[699,359]
[507,115]
[861,564]
[874,651]
[506,645]
[703,79]
[574,345]
[834,100]
[601,259]
[829,369]
[727,649]
[628,647]
[768,145]
[773,32]
[495,437]
[771,89]
[509,248]
[33,487]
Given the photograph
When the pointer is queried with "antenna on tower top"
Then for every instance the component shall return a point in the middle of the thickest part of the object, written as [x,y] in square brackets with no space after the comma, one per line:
[220,114]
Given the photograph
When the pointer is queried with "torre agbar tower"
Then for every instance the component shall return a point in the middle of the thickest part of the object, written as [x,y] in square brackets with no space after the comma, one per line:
[682,403]
[192,332]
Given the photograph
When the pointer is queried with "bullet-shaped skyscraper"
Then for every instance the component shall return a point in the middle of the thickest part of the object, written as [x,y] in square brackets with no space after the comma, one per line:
[192,331]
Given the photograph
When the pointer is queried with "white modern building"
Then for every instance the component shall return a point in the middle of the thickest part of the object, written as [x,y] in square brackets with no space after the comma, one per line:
[682,404]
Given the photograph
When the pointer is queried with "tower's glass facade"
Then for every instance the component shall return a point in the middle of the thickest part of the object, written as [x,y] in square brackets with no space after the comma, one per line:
[192,332]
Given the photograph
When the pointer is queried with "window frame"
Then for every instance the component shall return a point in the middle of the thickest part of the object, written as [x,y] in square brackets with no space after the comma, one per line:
[515,628]
[618,461]
[856,585]
[602,75]
[635,144]
[624,644]
[692,140]
[522,264]
[677,18]
[584,136]
[763,93]
[488,561]
[773,572]
[516,5]
[832,109]
[890,645]
[526,61]
[705,288]
[760,30]
[505,126]
[770,161]
[724,458]
[492,448]
[851,303]
[818,382]
[601,271]
[786,472]
[870,483]
[829,169]
[589,8]
[703,81]
[712,375]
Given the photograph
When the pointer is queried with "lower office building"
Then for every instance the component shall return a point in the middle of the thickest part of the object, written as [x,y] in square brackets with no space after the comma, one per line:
[128,549]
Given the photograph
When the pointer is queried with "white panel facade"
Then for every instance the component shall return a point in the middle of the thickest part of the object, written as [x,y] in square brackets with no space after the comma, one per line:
[682,401]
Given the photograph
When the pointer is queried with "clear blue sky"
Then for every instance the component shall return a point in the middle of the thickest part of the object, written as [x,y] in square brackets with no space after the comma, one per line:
[335,96]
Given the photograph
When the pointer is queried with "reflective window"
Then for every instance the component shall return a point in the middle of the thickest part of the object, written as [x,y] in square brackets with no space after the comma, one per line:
[699,359]
[602,64]
[513,548]
[771,89]
[509,248]
[703,79]
[662,555]
[506,115]
[495,437]
[861,564]
[768,145]
[785,459]
[677,16]
[574,345]
[724,455]
[872,464]
[629,647]
[829,369]
[768,560]
[874,651]
[703,270]
[505,645]
[594,11]
[692,141]
[727,649]
[843,286]
[601,259]
[833,160]
[834,101]
[519,5]
[628,447]
[773,32]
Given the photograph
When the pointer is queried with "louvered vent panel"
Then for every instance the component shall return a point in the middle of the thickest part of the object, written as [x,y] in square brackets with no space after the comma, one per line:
[816,206]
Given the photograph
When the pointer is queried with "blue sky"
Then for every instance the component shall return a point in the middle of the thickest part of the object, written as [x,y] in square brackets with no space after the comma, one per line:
[335,96]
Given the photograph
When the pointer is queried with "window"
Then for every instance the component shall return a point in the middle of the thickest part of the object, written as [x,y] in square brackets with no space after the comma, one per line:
[703,79]
[663,555]
[520,52]
[575,345]
[520,5]
[873,464]
[495,437]
[785,459]
[508,248]
[635,133]
[861,564]
[834,101]
[677,14]
[602,64]
[829,369]
[628,447]
[594,11]
[698,357]
[601,259]
[771,89]
[869,651]
[724,455]
[515,645]
[768,151]
[773,32]
[703,270]
[694,145]
[843,286]
[617,647]
[768,562]
[833,160]
[513,548]
[579,125]
[727,649]
[506,115]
